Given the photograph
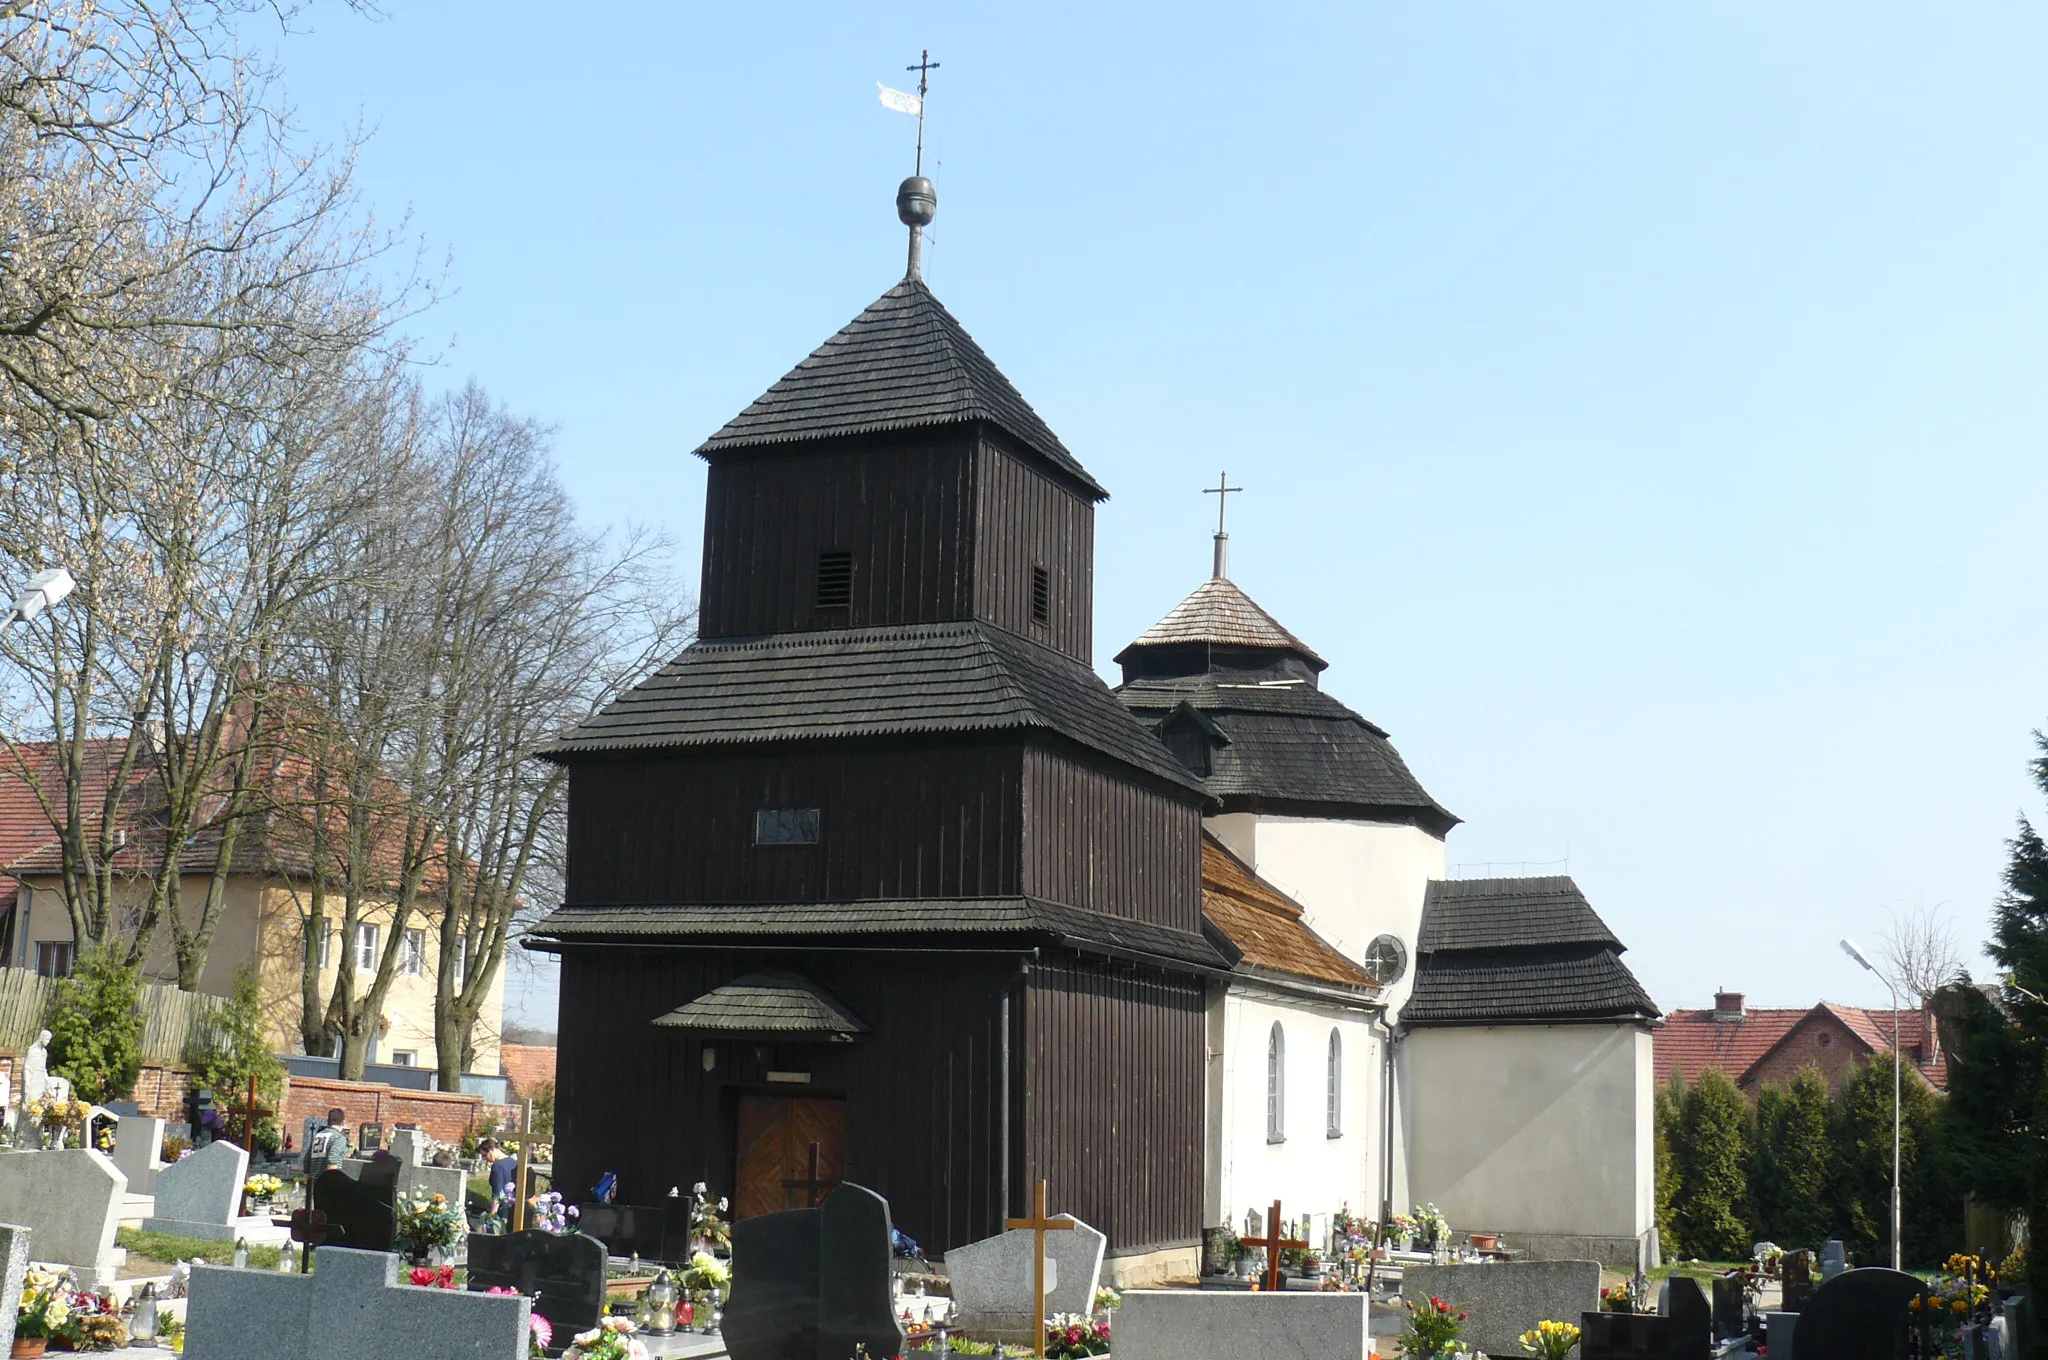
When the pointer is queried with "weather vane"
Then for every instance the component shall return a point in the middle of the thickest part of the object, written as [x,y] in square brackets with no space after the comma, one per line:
[904,102]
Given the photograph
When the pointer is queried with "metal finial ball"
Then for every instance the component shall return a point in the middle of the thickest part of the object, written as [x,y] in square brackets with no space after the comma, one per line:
[917,202]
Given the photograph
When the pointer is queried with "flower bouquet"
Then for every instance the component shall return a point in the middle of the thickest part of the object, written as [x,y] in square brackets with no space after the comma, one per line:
[1433,1329]
[551,1213]
[1550,1340]
[263,1189]
[58,1117]
[540,1333]
[706,1225]
[611,1339]
[1432,1228]
[1620,1298]
[1069,1335]
[425,1225]
[428,1277]
[44,1308]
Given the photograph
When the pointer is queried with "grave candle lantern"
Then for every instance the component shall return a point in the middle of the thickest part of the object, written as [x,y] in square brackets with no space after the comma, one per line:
[661,1298]
[142,1325]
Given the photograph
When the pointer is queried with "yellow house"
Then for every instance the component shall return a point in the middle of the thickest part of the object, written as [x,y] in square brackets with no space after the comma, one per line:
[263,920]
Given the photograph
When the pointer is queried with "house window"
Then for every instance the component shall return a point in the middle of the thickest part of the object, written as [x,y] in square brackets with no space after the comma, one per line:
[405,1057]
[53,958]
[1333,1098]
[1276,1085]
[786,826]
[461,959]
[412,960]
[835,580]
[366,945]
[1041,596]
[326,946]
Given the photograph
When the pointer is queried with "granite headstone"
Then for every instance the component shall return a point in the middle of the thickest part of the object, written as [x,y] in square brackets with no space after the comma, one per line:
[1859,1312]
[138,1151]
[812,1284]
[70,1201]
[200,1195]
[991,1280]
[409,1145]
[1780,1333]
[1692,1319]
[361,1211]
[1728,1305]
[652,1234]
[351,1305]
[565,1270]
[1185,1324]
[1503,1299]
[14,1242]
[1833,1259]
[1624,1336]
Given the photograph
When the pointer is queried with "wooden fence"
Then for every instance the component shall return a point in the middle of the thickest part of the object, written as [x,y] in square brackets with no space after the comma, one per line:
[177,1026]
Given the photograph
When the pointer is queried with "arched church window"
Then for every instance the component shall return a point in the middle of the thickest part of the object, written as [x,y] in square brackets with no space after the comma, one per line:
[1276,1085]
[1333,1098]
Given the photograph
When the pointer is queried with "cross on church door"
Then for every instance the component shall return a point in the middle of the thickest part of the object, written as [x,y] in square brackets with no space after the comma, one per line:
[773,1152]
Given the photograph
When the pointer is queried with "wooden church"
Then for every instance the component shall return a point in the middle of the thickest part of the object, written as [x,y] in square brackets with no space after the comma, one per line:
[878,880]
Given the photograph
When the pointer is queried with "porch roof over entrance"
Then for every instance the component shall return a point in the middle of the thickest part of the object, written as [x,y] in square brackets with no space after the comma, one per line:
[782,1005]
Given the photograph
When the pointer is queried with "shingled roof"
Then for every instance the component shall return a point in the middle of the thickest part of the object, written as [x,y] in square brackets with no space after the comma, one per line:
[916,922]
[1220,614]
[1266,924]
[1496,950]
[767,1004]
[1291,747]
[950,677]
[905,362]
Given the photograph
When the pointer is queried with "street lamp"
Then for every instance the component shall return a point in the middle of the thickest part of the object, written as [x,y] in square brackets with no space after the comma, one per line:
[1849,948]
[44,589]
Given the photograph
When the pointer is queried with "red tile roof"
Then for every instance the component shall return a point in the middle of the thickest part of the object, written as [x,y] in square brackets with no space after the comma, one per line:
[527,1066]
[1266,924]
[1694,1041]
[31,766]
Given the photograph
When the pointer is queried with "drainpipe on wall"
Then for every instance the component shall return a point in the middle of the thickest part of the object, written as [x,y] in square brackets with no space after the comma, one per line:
[1386,1118]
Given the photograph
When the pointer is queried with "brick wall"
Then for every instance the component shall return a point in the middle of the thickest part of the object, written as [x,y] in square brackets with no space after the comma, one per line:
[445,1115]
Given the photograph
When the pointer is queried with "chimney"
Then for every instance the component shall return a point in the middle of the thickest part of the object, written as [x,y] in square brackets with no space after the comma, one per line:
[1728,1007]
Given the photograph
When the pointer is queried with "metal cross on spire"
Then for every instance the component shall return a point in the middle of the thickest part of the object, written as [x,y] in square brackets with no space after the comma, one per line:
[1221,491]
[924,68]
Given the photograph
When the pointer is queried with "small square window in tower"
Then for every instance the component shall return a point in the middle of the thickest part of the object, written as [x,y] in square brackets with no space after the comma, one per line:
[835,580]
[1041,596]
[786,826]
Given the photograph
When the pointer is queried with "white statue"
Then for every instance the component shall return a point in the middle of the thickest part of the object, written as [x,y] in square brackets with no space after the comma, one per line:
[35,1070]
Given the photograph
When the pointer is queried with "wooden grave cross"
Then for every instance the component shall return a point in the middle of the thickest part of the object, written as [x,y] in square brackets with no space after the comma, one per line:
[1274,1243]
[522,1140]
[1039,1225]
[309,1230]
[813,1185]
[250,1110]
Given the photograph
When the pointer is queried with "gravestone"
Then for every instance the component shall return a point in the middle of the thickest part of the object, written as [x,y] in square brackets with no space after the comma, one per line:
[1779,1329]
[652,1234]
[565,1270]
[409,1145]
[14,1242]
[1186,1324]
[1624,1336]
[812,1284]
[1506,1298]
[2017,1316]
[415,1180]
[1795,1280]
[369,1137]
[1692,1320]
[1859,1312]
[1728,1306]
[70,1202]
[361,1211]
[138,1145]
[351,1305]
[991,1280]
[1833,1259]
[201,1195]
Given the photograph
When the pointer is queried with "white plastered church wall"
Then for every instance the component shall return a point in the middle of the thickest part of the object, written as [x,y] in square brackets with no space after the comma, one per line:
[1541,1132]
[1355,880]
[1310,1172]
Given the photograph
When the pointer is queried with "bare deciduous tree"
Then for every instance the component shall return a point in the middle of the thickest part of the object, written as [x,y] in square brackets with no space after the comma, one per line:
[1919,953]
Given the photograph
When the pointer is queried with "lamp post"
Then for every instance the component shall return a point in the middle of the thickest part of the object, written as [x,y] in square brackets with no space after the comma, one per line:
[1849,948]
[44,589]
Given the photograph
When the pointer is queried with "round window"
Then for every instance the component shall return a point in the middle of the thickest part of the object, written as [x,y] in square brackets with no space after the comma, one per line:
[1386,959]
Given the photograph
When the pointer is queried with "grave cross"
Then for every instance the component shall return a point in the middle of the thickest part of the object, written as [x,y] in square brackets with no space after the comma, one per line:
[812,1186]
[1039,1225]
[523,1140]
[1273,1242]
[250,1110]
[309,1230]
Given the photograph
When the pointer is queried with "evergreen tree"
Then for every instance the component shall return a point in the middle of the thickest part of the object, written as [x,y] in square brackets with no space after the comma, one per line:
[1767,1196]
[1670,1114]
[240,1049]
[95,1025]
[1793,1160]
[1713,1153]
[1862,1199]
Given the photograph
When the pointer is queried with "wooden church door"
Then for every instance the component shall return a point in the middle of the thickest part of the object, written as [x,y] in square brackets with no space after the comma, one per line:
[776,1136]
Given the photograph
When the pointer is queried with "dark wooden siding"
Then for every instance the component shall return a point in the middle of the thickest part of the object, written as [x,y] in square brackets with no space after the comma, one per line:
[1024,519]
[922,1103]
[928,820]
[1098,841]
[1113,1104]
[902,506]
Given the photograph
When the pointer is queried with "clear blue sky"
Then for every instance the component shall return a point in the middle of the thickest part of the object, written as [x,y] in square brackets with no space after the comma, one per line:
[1640,406]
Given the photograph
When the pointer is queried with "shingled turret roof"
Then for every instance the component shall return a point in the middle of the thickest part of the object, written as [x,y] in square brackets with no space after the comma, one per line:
[903,363]
[1497,950]
[1219,613]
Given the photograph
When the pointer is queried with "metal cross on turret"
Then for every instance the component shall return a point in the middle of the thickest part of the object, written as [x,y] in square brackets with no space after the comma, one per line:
[1221,491]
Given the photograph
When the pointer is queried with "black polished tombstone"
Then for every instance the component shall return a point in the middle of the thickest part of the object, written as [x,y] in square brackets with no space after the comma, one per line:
[369,1137]
[1692,1320]
[1730,1315]
[1795,1281]
[813,1284]
[1624,1336]
[633,1230]
[565,1270]
[362,1212]
[1858,1313]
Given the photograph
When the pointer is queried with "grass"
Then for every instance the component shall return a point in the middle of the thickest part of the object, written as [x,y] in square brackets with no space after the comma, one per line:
[167,1249]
